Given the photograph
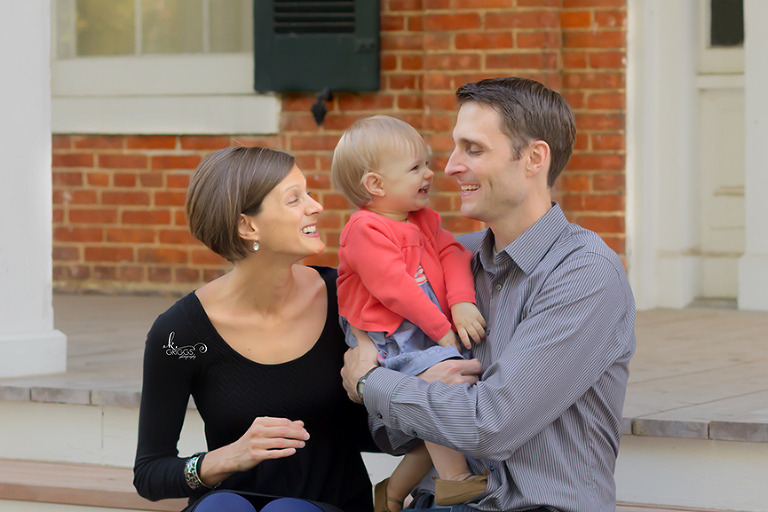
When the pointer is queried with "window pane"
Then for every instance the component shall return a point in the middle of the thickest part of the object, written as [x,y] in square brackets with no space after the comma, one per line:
[172,26]
[105,28]
[66,18]
[727,27]
[231,25]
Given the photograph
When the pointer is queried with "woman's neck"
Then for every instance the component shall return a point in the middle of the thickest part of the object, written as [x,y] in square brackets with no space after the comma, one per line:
[256,285]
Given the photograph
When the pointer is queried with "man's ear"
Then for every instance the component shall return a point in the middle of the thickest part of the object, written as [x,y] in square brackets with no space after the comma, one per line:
[247,229]
[374,184]
[539,158]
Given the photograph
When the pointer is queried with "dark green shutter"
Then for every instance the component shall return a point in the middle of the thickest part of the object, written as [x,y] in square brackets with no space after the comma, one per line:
[306,45]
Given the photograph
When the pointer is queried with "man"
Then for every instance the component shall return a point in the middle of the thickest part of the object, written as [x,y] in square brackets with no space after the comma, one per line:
[545,418]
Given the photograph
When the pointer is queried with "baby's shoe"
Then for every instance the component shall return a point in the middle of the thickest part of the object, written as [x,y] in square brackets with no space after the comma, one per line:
[454,492]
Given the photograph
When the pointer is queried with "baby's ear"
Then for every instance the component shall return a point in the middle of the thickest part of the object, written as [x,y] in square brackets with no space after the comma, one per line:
[374,184]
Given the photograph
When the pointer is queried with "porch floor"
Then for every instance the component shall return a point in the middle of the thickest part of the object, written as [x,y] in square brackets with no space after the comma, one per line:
[700,372]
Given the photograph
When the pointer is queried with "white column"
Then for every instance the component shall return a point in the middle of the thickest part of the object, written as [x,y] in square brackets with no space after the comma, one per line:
[28,342]
[753,265]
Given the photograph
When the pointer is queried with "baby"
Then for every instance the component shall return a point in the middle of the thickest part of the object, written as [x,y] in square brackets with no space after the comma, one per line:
[403,279]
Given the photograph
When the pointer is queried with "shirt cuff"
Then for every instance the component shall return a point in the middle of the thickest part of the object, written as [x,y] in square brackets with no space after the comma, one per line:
[377,395]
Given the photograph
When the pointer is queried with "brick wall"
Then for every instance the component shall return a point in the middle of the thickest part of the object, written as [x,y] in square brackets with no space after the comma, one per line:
[118,200]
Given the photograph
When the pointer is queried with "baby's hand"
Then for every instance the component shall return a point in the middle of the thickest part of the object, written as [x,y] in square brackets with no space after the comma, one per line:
[449,340]
[469,322]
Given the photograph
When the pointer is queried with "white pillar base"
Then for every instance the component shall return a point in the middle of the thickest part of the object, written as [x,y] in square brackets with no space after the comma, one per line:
[753,282]
[32,353]
[678,281]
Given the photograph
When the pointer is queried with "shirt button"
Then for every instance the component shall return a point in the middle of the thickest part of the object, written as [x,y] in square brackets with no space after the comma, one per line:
[498,287]
[487,332]
[380,416]
[414,434]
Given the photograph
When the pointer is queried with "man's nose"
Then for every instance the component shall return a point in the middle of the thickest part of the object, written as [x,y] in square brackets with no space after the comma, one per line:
[452,167]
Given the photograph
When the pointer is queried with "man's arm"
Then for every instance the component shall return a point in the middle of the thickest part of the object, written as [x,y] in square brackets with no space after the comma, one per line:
[575,329]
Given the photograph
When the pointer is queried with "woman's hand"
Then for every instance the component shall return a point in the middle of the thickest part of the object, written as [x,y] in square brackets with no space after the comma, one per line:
[267,438]
[469,323]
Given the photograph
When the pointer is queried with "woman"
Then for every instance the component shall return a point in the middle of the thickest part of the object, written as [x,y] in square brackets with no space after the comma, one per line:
[260,351]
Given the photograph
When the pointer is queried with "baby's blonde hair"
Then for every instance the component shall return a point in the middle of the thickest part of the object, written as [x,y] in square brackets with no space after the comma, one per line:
[362,148]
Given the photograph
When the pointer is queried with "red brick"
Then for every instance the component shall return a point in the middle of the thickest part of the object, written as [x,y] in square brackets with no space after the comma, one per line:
[339,122]
[452,62]
[410,102]
[314,143]
[441,203]
[399,42]
[98,179]
[98,141]
[131,235]
[403,82]
[484,40]
[596,162]
[175,162]
[105,273]
[151,180]
[123,161]
[411,62]
[204,142]
[575,19]
[336,202]
[574,99]
[177,180]
[590,39]
[299,122]
[146,217]
[177,237]
[108,254]
[209,274]
[131,273]
[170,198]
[574,182]
[349,102]
[539,40]
[61,141]
[606,101]
[436,102]
[324,162]
[154,255]
[571,4]
[331,239]
[440,143]
[329,221]
[72,160]
[388,63]
[483,4]
[616,243]
[536,60]
[605,203]
[444,183]
[611,19]
[415,23]
[405,5]
[607,141]
[81,197]
[318,181]
[582,142]
[206,257]
[92,216]
[328,259]
[600,121]
[538,3]
[574,59]
[71,272]
[605,224]
[126,198]
[433,82]
[522,19]
[124,180]
[436,4]
[67,178]
[391,23]
[66,253]
[602,60]
[296,103]
[159,275]
[70,234]
[186,275]
[151,142]
[248,141]
[457,224]
[180,218]
[437,41]
[593,80]
[439,123]
[57,215]
[444,22]
[612,181]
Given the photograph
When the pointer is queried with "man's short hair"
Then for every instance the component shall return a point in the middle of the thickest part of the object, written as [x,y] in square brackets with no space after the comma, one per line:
[362,148]
[227,183]
[529,111]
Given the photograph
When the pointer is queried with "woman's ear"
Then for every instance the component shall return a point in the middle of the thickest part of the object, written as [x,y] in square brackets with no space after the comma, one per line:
[539,158]
[374,184]
[246,228]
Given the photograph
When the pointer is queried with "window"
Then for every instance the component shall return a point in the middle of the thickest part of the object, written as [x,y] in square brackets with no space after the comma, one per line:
[156,66]
[721,43]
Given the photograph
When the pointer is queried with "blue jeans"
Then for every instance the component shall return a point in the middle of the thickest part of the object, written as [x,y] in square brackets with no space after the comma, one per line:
[231,502]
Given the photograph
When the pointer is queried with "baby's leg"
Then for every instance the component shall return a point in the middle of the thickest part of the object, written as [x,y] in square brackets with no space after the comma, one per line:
[450,464]
[407,474]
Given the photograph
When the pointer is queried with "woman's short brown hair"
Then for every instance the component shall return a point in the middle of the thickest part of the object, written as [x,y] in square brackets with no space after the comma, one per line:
[227,183]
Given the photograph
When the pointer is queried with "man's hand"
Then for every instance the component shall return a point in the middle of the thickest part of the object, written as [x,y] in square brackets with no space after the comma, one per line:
[357,362]
[469,323]
[453,371]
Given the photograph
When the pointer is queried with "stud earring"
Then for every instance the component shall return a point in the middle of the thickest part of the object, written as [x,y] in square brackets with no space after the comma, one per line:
[255,246]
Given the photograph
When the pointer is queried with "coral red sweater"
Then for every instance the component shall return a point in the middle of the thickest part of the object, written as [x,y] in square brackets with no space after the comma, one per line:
[379,259]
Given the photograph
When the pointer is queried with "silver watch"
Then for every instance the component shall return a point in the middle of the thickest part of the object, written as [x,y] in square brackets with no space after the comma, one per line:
[361,383]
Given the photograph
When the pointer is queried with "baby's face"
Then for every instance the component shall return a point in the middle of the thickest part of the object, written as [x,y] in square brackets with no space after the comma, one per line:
[406,178]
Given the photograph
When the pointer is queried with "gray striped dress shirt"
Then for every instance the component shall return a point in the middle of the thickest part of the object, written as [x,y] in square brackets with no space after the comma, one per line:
[545,419]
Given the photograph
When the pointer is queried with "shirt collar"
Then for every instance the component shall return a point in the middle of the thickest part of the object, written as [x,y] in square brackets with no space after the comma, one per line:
[530,247]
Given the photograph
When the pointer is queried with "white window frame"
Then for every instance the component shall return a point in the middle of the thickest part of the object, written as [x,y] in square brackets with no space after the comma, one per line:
[716,61]
[206,93]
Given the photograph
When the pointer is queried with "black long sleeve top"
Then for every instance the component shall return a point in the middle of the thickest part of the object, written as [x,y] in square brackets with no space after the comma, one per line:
[184,355]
